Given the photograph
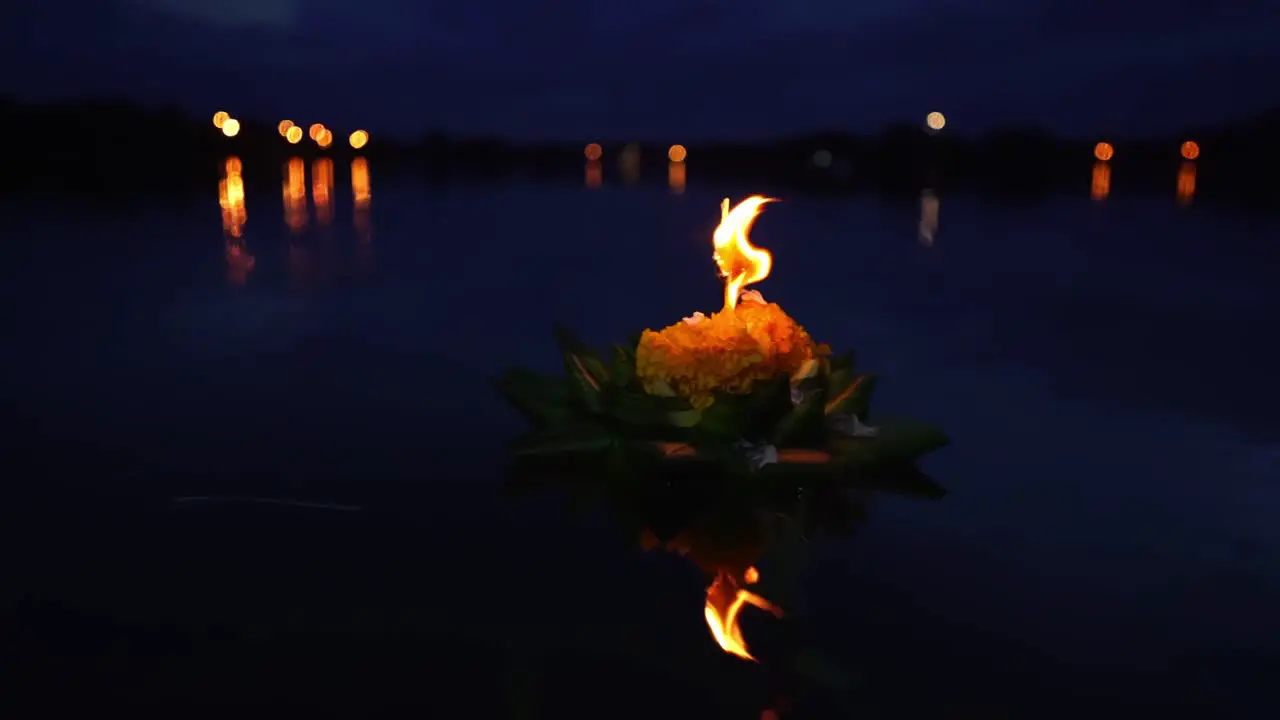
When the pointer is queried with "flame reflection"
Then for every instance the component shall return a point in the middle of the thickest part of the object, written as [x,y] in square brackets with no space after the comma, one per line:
[322,189]
[676,177]
[1101,186]
[594,175]
[231,200]
[1186,183]
[294,193]
[725,600]
[726,596]
[928,217]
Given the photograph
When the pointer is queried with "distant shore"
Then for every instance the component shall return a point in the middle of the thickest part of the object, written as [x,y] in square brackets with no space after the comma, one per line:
[118,147]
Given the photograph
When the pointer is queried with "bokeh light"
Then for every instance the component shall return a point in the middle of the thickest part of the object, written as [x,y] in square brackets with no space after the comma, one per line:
[284,127]
[220,118]
[677,153]
[325,139]
[1103,151]
[1190,150]
[315,130]
[593,152]
[293,135]
[935,120]
[358,139]
[231,127]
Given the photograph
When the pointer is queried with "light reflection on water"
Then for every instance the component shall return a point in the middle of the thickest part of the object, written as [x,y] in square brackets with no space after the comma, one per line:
[1100,187]
[1067,351]
[294,194]
[928,229]
[1186,182]
[231,199]
[361,217]
[309,210]
[677,177]
[322,189]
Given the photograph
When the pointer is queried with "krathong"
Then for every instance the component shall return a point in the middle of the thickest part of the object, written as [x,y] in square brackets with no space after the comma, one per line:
[743,398]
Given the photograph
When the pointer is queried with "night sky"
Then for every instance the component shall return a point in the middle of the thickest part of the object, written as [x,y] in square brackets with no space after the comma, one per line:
[659,69]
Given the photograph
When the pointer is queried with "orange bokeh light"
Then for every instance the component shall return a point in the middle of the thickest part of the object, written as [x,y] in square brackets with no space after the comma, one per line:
[293,135]
[677,153]
[315,130]
[358,139]
[219,118]
[325,139]
[231,127]
[284,127]
[1103,151]
[1190,150]
[593,152]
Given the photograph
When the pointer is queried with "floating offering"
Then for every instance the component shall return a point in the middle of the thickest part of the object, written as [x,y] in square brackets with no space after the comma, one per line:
[743,398]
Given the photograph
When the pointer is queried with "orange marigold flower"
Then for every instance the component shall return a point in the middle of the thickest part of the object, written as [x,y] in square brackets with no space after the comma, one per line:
[728,351]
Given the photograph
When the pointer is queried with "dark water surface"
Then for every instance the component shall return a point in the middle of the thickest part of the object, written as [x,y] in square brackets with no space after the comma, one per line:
[1106,372]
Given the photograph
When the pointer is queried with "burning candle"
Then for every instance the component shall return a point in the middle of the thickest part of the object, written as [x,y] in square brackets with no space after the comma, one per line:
[740,262]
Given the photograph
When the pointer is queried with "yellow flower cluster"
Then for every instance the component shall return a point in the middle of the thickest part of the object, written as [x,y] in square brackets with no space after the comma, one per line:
[728,351]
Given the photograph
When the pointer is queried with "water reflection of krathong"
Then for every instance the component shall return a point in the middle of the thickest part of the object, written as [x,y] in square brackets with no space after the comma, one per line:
[731,527]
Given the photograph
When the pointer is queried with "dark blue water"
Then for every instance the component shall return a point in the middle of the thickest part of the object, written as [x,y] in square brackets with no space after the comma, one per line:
[1106,372]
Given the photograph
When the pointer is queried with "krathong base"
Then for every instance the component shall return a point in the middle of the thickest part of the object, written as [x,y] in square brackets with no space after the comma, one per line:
[813,421]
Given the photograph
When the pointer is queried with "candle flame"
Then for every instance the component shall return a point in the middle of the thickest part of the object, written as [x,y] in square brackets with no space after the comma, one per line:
[725,601]
[740,262]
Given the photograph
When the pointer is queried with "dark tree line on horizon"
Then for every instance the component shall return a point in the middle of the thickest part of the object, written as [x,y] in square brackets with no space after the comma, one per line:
[54,144]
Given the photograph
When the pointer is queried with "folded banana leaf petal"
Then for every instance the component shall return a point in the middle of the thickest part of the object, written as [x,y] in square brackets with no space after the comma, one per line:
[542,399]
[585,369]
[896,442]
